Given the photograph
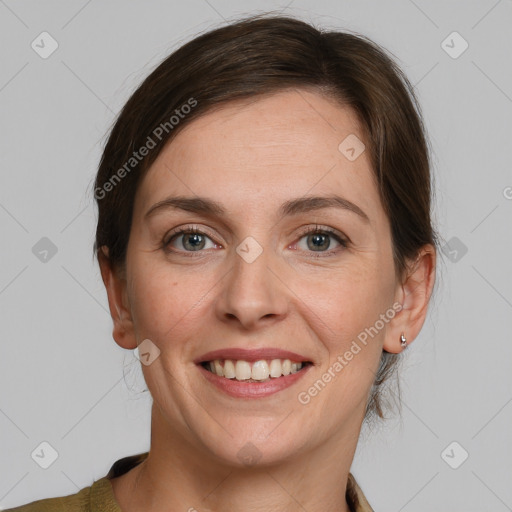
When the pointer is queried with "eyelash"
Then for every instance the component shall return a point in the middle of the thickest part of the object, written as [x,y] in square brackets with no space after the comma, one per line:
[309,230]
[324,231]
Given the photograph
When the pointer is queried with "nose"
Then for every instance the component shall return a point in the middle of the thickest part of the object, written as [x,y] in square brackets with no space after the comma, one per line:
[253,293]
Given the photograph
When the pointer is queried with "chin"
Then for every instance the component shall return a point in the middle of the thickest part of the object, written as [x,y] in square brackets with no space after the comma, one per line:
[260,445]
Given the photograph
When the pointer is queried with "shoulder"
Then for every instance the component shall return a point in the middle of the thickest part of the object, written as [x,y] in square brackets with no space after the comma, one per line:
[72,503]
[85,500]
[98,497]
[356,499]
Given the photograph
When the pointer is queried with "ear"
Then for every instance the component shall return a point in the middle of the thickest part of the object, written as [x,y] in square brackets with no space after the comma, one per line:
[414,295]
[115,284]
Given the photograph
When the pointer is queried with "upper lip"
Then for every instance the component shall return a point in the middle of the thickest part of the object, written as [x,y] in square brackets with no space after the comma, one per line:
[250,355]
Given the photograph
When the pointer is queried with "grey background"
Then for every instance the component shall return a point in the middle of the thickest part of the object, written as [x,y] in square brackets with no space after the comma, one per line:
[61,373]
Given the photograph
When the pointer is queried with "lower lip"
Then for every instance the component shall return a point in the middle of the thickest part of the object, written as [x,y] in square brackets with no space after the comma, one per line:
[241,389]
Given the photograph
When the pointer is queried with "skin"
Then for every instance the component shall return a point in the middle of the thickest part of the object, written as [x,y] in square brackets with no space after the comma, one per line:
[252,157]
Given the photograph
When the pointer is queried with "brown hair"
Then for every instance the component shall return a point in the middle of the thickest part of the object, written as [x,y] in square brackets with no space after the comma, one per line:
[261,55]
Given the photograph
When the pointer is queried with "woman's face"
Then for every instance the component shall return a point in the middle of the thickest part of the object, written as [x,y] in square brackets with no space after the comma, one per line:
[252,278]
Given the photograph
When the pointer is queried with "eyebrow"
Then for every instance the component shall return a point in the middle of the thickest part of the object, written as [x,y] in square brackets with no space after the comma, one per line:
[208,207]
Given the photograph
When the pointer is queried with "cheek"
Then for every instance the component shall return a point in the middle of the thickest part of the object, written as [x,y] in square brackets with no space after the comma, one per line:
[165,303]
[342,308]
[341,313]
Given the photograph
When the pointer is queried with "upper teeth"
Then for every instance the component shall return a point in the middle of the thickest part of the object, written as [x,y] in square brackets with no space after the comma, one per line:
[258,370]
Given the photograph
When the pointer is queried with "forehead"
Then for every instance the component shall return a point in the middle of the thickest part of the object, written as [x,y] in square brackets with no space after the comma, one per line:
[264,150]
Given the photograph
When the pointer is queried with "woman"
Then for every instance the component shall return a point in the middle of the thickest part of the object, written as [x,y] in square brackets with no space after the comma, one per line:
[265,240]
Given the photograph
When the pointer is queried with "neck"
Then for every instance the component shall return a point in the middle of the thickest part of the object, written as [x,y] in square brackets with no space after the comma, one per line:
[177,476]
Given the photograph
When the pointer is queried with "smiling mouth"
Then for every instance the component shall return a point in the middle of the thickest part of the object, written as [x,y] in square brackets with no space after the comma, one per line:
[257,371]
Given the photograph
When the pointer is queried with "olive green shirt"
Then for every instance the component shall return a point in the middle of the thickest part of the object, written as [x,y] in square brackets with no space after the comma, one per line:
[99,497]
